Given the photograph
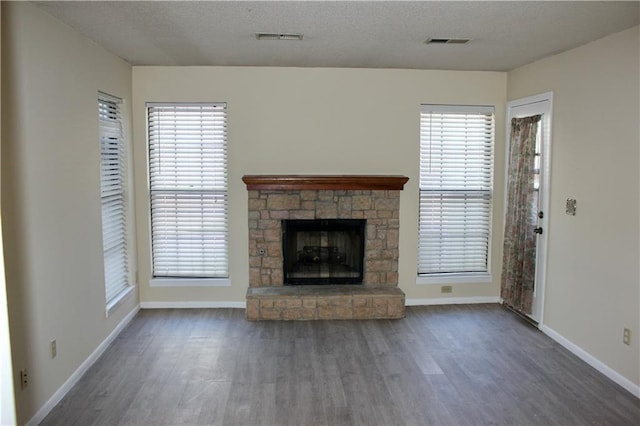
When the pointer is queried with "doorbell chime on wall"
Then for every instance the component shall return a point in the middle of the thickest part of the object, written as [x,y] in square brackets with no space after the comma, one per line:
[571,207]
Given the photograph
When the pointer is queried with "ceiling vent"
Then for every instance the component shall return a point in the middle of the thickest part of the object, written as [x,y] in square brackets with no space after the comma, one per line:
[447,41]
[278,36]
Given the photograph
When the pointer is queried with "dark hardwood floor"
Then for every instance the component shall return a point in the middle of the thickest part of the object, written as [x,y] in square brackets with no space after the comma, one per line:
[441,365]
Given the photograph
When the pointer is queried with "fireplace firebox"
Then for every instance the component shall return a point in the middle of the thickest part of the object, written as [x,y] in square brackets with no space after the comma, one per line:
[323,251]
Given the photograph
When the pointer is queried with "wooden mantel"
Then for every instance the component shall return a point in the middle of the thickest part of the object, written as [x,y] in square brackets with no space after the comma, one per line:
[324,182]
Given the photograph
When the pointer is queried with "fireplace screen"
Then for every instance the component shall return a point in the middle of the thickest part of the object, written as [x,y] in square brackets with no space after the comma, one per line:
[324,251]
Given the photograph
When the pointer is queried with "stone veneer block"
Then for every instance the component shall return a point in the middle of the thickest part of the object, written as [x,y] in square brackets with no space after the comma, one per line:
[267,208]
[342,302]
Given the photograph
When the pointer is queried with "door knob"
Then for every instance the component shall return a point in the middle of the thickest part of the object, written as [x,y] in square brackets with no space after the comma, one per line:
[538,230]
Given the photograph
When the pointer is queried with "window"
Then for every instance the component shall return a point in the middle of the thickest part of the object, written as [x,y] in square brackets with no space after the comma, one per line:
[113,179]
[456,174]
[188,184]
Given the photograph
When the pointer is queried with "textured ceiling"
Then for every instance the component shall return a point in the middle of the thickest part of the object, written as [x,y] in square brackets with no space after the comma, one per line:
[371,34]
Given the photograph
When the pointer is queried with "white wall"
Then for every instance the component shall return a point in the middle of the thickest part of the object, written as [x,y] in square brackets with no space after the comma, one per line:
[593,281]
[315,121]
[51,196]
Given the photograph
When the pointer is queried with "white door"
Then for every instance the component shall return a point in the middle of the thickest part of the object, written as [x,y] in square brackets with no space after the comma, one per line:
[526,107]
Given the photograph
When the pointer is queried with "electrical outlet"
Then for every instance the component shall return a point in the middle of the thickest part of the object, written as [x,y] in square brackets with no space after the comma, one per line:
[54,348]
[24,378]
[446,289]
[626,336]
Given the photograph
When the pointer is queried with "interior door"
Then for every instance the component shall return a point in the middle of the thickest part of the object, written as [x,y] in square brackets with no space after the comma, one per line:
[526,107]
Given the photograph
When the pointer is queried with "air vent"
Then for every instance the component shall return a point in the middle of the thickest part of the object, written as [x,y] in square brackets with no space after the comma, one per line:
[278,36]
[447,41]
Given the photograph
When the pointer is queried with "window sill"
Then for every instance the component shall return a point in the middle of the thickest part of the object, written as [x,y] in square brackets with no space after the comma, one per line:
[124,294]
[434,279]
[190,282]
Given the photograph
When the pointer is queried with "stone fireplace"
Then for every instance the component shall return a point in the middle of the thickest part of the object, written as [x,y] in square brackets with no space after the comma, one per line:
[277,201]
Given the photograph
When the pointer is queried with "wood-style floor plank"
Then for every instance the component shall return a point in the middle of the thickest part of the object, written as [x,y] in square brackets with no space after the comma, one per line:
[441,365]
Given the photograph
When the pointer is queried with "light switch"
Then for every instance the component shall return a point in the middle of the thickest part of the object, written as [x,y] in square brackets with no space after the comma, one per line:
[571,207]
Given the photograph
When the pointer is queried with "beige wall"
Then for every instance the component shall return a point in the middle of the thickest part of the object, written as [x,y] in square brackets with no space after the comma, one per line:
[593,282]
[7,400]
[51,196]
[322,121]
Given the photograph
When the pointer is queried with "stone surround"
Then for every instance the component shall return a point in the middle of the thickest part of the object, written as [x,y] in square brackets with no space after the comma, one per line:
[275,198]
[268,208]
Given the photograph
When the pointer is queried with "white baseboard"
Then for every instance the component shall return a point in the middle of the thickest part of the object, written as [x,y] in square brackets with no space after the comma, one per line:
[451,300]
[77,375]
[192,305]
[592,361]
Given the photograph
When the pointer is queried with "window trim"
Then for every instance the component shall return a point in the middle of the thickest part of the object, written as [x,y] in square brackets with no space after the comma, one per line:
[460,277]
[119,299]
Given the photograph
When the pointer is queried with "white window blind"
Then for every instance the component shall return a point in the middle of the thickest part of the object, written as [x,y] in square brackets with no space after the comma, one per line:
[456,178]
[188,183]
[113,175]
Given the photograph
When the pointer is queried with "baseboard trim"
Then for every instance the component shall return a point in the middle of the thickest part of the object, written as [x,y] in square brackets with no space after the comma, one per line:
[192,305]
[77,375]
[592,361]
[452,301]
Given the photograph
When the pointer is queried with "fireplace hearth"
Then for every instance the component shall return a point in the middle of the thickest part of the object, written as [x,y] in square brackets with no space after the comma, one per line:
[323,251]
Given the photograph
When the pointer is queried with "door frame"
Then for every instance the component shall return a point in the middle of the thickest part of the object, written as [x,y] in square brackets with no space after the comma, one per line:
[532,105]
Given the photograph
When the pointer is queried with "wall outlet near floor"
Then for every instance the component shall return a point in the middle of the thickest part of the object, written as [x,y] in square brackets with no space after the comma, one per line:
[446,289]
[54,348]
[24,378]
[626,336]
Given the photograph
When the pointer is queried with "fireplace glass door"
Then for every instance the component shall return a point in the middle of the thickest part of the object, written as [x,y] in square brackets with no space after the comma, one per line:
[324,251]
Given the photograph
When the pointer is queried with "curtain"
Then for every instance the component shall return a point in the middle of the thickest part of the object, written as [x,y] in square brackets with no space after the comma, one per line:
[519,255]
